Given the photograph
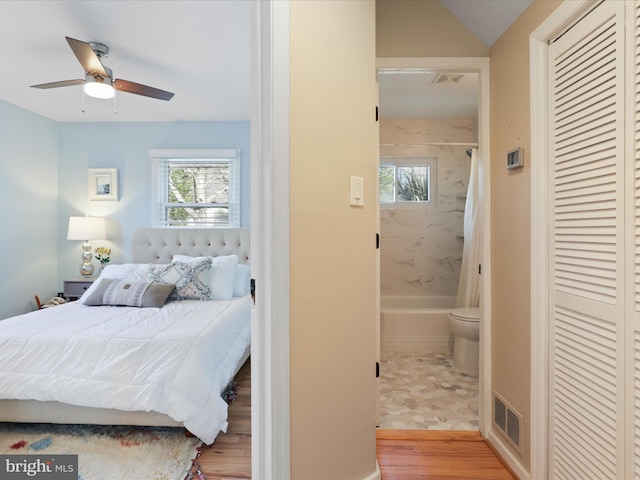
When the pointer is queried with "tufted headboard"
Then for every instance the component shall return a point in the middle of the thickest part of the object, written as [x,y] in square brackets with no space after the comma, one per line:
[159,245]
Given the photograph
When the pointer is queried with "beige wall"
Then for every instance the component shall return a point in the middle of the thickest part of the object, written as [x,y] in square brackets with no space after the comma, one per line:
[422,28]
[332,253]
[510,219]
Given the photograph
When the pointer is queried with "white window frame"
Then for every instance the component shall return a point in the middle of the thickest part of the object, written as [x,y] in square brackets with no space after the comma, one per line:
[163,158]
[396,162]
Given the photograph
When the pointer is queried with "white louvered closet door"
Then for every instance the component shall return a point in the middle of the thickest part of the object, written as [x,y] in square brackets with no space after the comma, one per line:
[587,308]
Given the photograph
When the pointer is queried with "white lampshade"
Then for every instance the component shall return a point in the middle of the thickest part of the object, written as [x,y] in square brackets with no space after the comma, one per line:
[86,228]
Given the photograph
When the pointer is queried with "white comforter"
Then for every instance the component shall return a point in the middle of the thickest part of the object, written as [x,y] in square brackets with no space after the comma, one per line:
[174,360]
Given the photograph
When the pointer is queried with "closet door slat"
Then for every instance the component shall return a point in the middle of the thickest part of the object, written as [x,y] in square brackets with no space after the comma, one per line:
[633,377]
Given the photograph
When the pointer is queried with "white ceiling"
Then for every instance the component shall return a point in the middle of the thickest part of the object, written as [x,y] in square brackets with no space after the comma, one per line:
[198,49]
[422,94]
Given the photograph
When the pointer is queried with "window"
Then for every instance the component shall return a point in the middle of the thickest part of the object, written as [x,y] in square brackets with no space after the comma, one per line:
[196,188]
[407,181]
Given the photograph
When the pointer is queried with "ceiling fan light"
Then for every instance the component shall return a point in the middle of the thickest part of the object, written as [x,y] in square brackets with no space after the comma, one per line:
[98,87]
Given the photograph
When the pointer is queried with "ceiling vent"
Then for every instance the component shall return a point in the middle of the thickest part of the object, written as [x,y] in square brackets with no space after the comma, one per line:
[508,422]
[447,78]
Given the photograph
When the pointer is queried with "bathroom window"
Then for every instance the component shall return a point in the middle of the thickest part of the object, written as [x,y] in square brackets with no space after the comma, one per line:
[407,181]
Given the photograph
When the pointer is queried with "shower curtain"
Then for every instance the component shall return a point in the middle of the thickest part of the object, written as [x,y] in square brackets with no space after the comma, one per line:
[469,283]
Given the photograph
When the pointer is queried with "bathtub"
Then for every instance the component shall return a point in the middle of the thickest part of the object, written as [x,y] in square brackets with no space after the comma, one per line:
[415,324]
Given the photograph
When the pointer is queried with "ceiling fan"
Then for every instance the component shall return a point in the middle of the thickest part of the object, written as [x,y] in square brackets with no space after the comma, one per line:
[99,81]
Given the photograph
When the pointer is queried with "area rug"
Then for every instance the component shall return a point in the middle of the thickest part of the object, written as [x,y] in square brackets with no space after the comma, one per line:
[112,452]
[107,452]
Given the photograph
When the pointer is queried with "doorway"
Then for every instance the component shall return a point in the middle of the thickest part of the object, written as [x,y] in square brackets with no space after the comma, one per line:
[432,110]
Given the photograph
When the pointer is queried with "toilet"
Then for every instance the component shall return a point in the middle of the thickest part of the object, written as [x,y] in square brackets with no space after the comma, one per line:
[464,325]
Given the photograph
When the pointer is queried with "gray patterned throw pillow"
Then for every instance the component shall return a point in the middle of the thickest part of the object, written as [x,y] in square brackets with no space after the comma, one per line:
[113,291]
[191,279]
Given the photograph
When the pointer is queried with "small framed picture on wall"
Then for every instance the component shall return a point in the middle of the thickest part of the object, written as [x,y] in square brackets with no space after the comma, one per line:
[103,184]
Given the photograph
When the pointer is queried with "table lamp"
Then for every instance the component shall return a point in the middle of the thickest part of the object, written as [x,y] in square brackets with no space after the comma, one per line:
[86,228]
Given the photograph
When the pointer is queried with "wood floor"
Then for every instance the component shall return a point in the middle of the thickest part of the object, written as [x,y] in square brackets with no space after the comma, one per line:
[229,457]
[402,454]
[431,454]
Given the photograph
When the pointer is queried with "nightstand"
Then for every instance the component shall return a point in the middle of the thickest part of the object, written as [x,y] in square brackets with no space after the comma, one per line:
[73,289]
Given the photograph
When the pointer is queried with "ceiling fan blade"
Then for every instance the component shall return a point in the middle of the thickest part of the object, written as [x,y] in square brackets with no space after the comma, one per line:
[139,89]
[64,83]
[87,57]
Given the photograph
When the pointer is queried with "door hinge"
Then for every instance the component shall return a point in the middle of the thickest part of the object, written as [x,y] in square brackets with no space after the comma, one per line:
[253,288]
[377,241]
[376,113]
[377,369]
[479,269]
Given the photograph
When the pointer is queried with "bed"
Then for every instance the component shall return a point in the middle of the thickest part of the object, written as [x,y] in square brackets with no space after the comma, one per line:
[125,365]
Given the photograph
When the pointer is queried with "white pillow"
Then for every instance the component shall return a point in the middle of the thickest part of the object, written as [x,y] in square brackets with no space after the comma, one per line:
[131,271]
[242,282]
[221,275]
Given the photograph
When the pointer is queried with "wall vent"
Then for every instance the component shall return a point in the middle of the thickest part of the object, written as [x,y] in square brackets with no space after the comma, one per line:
[500,413]
[508,421]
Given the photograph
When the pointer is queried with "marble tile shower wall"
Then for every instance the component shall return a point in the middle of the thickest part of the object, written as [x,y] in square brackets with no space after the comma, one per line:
[421,249]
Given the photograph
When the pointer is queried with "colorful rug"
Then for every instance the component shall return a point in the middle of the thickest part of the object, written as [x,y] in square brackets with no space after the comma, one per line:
[112,452]
[107,452]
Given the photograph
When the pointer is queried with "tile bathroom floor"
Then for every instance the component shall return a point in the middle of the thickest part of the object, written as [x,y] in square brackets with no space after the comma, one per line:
[423,391]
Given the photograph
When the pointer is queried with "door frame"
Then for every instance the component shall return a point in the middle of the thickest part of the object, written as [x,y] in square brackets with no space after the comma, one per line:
[566,14]
[479,65]
[270,407]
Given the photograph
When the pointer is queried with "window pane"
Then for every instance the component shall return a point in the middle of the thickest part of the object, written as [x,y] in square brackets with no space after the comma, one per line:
[199,183]
[413,183]
[196,187]
[386,183]
[190,216]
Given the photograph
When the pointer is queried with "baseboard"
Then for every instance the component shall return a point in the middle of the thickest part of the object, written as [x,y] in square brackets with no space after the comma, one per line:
[375,475]
[415,343]
[511,461]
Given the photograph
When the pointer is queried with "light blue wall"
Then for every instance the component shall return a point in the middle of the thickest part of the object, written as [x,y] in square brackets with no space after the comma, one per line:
[28,195]
[44,181]
[126,146]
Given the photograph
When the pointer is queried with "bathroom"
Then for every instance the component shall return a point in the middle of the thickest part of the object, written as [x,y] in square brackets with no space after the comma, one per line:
[428,124]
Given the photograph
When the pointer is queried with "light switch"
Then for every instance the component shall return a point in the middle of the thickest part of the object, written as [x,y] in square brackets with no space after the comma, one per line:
[357,191]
